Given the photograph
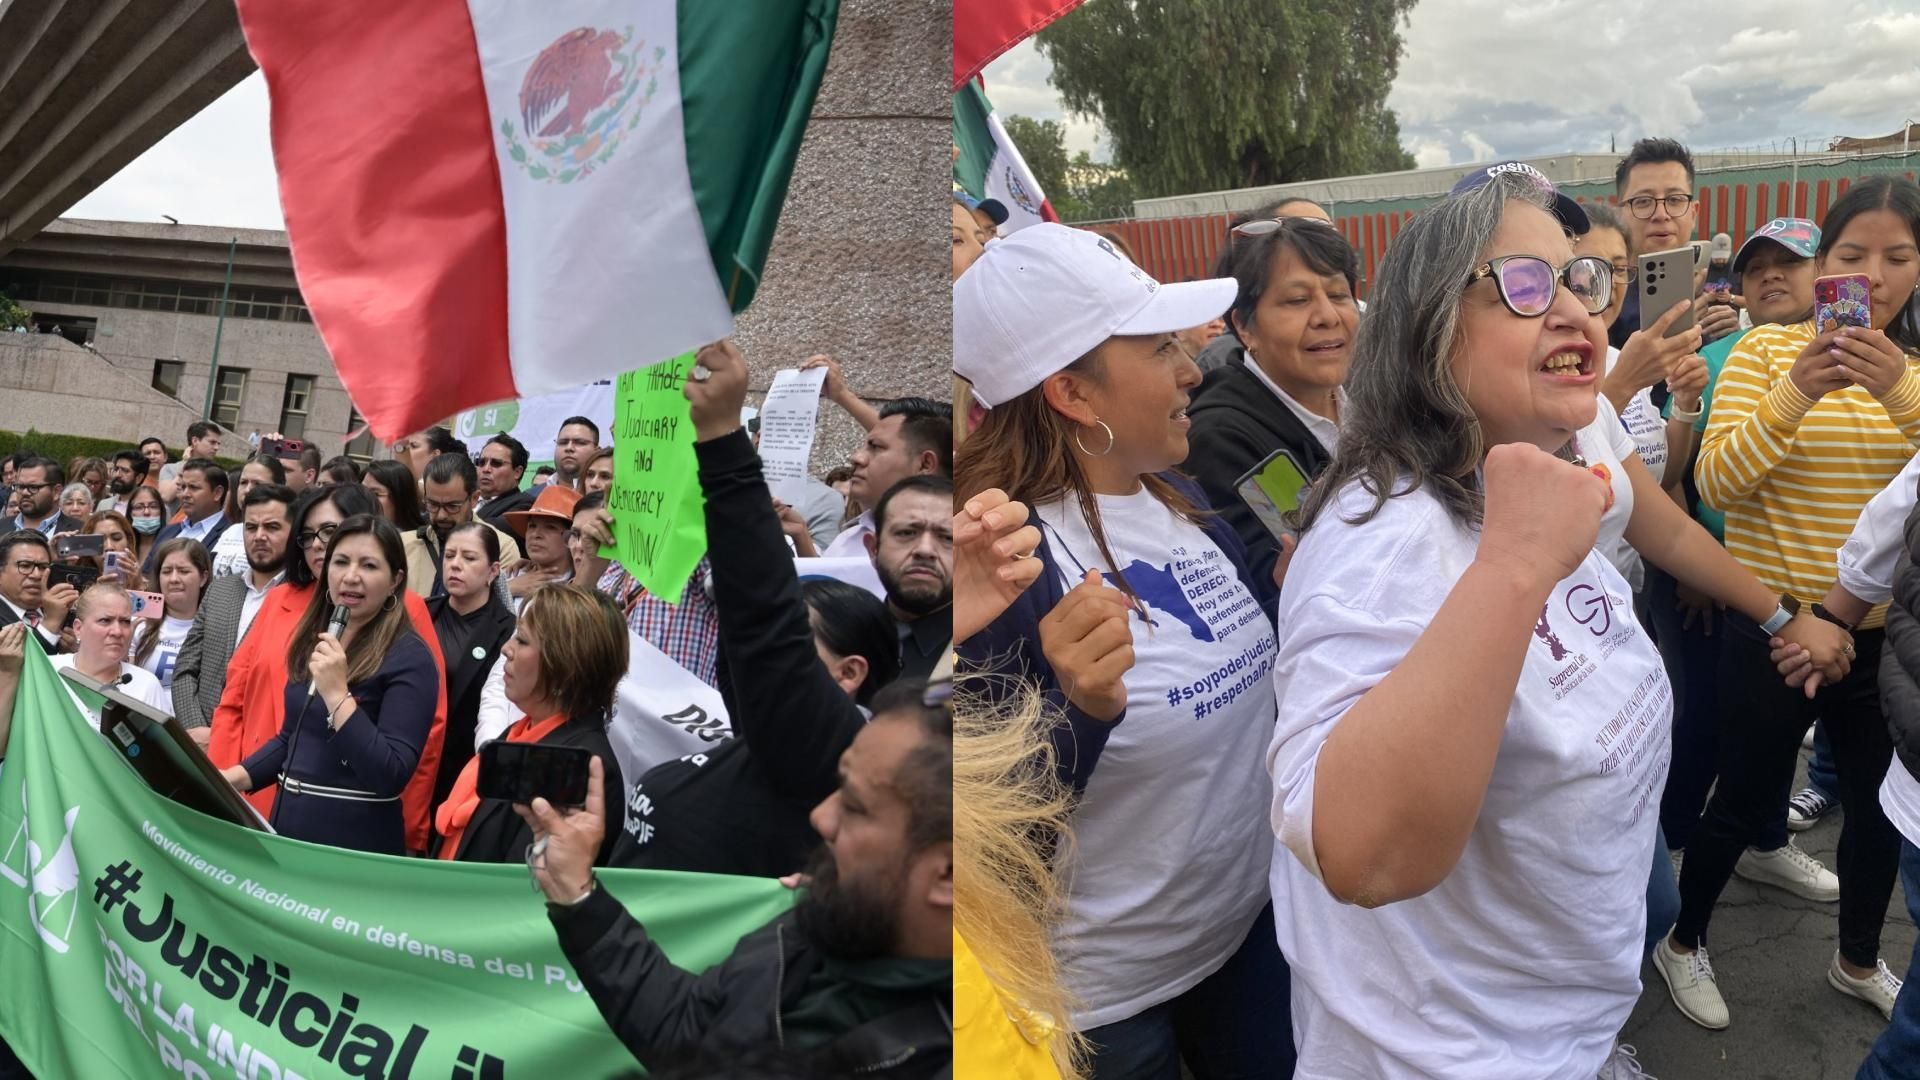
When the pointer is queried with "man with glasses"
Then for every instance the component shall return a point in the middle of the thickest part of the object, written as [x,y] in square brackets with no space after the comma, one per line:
[500,464]
[25,557]
[451,484]
[573,447]
[37,480]
[228,608]
[1655,184]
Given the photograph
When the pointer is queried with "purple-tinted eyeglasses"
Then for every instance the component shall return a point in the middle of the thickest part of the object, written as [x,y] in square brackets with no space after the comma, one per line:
[1528,283]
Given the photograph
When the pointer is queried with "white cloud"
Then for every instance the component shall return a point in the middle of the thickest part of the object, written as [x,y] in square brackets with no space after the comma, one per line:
[1481,79]
[215,169]
[1016,83]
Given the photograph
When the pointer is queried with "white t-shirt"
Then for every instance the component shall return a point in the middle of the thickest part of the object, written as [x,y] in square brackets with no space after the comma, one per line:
[1525,961]
[166,653]
[1170,864]
[140,685]
[230,552]
[1608,431]
[1644,424]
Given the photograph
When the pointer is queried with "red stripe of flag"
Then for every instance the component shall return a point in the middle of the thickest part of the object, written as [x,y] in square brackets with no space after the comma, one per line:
[384,146]
[983,29]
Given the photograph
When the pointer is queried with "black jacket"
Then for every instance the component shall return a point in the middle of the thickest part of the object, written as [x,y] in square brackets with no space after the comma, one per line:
[173,530]
[1900,656]
[741,808]
[495,513]
[1237,422]
[663,1013]
[466,677]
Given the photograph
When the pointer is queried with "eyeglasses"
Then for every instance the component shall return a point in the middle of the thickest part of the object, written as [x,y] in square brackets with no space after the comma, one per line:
[1274,225]
[434,506]
[1625,275]
[1642,205]
[28,568]
[306,537]
[1529,283]
[29,489]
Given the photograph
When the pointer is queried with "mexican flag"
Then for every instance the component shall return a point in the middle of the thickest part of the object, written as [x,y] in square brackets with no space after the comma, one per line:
[489,199]
[983,29]
[990,166]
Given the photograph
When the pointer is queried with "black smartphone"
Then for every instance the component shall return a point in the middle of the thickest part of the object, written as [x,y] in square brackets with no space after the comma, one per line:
[75,545]
[522,772]
[78,576]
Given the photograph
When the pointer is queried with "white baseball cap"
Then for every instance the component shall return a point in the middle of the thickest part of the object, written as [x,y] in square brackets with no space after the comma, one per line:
[1047,295]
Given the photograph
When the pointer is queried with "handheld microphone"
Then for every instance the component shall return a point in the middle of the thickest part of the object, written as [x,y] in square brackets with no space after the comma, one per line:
[336,626]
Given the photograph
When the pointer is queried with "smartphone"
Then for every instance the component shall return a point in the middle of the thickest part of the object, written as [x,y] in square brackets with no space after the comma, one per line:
[284,449]
[522,772]
[1666,278]
[79,576]
[1842,300]
[74,545]
[1272,489]
[114,568]
[148,605]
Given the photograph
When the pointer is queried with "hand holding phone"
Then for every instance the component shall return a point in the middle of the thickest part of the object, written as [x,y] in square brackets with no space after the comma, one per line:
[80,545]
[148,605]
[523,772]
[1273,489]
[1666,277]
[1842,300]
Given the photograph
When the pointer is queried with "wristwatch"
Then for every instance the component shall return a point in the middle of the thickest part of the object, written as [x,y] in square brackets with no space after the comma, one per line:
[1789,607]
[1820,612]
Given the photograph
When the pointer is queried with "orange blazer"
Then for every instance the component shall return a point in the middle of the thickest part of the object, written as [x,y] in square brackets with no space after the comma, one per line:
[253,706]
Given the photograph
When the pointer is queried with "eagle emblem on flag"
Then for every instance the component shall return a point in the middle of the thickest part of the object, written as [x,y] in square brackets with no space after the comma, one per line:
[579,99]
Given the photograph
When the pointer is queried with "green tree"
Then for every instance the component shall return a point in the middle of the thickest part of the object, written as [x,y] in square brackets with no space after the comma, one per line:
[1201,95]
[12,315]
[1043,144]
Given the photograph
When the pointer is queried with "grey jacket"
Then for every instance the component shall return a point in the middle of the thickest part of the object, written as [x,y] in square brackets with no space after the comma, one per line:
[200,672]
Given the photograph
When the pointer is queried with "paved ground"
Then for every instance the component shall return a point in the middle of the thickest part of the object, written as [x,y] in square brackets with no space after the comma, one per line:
[1771,951]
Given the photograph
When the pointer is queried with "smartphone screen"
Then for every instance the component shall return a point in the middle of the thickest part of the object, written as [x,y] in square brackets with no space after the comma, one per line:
[1842,300]
[1272,489]
[522,772]
[79,544]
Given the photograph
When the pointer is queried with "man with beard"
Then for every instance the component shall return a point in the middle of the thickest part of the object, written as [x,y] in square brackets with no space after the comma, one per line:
[913,437]
[912,550]
[228,607]
[451,483]
[126,473]
[858,975]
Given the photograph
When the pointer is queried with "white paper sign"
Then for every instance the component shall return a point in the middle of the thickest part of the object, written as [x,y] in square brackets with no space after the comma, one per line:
[787,420]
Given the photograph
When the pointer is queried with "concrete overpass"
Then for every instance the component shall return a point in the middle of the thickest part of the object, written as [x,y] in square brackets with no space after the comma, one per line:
[86,86]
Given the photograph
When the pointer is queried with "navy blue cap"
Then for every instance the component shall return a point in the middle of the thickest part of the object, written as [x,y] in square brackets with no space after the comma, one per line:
[995,210]
[1564,208]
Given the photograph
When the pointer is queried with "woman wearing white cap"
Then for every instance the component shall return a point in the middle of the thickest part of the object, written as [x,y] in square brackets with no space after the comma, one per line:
[1473,727]
[1167,940]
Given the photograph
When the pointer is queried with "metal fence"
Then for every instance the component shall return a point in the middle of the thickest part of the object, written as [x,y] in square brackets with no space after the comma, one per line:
[1735,200]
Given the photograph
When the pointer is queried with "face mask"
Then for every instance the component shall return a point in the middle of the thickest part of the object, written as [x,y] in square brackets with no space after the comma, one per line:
[145,526]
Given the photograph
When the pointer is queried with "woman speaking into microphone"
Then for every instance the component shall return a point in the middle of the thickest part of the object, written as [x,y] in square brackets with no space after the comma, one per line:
[360,698]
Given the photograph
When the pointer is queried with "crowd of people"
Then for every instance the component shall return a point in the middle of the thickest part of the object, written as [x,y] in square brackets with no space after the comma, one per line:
[1378,689]
[344,640]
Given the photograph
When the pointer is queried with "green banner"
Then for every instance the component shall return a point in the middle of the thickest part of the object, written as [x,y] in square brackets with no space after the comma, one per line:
[139,938]
[659,515]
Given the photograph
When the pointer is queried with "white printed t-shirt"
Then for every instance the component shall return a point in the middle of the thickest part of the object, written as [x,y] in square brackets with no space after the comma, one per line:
[1525,961]
[1607,429]
[1170,864]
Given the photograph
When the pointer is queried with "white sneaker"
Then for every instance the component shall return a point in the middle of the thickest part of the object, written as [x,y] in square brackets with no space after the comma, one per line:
[1689,979]
[1806,807]
[1878,989]
[1791,869]
[1623,1065]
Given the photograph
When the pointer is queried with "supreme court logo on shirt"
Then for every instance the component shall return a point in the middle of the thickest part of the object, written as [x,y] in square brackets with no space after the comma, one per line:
[1594,610]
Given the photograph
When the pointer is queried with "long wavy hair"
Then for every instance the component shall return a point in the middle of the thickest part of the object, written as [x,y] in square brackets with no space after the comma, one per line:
[1026,449]
[1007,805]
[1408,424]
[369,648]
[196,553]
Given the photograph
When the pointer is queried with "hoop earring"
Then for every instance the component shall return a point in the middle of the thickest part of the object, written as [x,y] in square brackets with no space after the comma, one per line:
[392,599]
[1083,446]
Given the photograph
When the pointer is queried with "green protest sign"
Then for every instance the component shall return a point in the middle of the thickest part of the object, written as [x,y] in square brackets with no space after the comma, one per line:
[659,516]
[139,938]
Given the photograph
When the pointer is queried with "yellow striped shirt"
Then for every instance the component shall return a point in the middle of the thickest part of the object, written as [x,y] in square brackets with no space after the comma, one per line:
[1792,473]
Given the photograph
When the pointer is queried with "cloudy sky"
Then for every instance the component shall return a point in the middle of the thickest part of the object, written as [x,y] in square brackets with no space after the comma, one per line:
[1716,73]
[215,169]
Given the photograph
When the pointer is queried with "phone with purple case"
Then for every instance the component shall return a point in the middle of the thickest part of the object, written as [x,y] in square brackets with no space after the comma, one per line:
[1842,300]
